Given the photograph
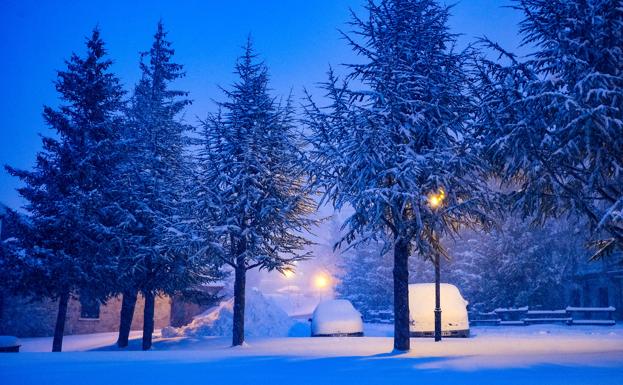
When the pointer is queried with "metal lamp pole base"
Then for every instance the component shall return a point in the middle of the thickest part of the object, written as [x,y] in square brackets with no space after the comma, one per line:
[437,300]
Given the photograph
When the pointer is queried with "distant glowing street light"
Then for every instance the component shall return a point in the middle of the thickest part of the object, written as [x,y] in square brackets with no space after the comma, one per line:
[436,199]
[288,273]
[321,281]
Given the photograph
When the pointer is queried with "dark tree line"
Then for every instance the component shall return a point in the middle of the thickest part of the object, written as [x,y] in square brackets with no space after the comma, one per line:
[515,264]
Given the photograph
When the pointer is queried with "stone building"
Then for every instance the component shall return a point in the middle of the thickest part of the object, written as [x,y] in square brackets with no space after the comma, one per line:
[23,317]
[599,284]
[27,317]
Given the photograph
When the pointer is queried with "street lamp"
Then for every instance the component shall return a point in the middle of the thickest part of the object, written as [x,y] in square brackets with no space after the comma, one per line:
[288,273]
[435,200]
[321,282]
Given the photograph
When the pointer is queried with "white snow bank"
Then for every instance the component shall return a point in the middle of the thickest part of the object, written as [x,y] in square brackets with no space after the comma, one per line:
[262,318]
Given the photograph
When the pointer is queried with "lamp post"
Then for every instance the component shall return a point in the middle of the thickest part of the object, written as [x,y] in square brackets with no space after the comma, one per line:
[437,300]
[436,200]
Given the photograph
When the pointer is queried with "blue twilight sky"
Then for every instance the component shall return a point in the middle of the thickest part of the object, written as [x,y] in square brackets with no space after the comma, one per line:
[298,39]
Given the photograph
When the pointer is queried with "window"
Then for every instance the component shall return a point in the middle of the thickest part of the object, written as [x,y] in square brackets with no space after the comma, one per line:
[89,308]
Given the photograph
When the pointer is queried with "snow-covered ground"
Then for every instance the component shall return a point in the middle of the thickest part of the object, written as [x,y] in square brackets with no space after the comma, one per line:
[539,354]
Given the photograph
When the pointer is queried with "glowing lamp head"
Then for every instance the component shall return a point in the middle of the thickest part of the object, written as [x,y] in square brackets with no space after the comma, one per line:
[436,200]
[321,281]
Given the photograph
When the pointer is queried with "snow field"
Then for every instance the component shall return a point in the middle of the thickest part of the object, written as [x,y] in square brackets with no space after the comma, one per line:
[538,354]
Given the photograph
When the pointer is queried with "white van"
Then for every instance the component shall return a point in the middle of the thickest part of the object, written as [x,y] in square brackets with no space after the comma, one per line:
[454,321]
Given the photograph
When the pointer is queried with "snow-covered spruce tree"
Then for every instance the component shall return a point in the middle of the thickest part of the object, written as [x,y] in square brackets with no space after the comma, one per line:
[256,207]
[385,149]
[157,258]
[365,278]
[553,124]
[12,265]
[65,245]
[529,266]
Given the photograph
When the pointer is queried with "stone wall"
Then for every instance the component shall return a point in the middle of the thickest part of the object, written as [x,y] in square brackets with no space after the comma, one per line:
[23,318]
[182,312]
[26,318]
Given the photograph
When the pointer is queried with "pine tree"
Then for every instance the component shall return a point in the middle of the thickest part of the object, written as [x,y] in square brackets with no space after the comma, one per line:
[397,151]
[256,206]
[553,124]
[157,257]
[65,246]
[12,264]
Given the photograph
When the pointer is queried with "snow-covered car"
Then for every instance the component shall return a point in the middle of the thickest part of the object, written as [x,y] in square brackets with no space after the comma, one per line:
[9,344]
[336,317]
[454,321]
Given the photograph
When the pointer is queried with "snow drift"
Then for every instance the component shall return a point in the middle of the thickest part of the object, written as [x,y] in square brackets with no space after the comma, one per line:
[263,318]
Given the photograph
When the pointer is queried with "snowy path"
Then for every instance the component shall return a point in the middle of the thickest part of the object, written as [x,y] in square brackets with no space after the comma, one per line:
[531,355]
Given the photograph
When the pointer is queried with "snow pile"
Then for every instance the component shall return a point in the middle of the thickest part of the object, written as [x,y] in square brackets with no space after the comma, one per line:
[263,318]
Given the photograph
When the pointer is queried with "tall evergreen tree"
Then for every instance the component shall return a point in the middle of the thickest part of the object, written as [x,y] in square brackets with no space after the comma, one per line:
[397,151]
[553,124]
[156,258]
[65,246]
[257,203]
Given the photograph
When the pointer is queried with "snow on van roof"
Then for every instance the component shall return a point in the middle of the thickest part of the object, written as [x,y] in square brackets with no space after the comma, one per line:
[431,286]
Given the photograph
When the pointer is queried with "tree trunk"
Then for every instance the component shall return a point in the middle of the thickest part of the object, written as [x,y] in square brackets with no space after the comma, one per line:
[125,321]
[401,296]
[437,299]
[59,329]
[239,299]
[148,319]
